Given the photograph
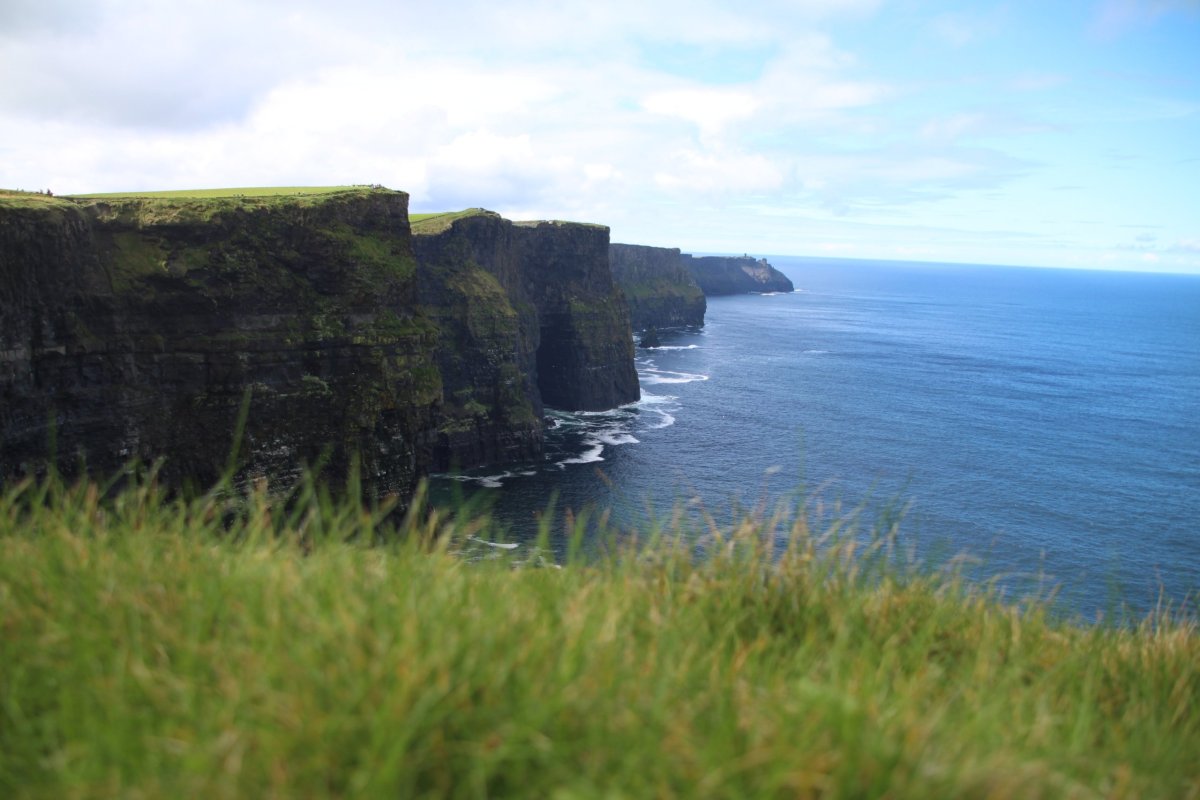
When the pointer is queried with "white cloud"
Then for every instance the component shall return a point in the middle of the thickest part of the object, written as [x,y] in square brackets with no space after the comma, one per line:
[716,172]
[710,109]
[629,113]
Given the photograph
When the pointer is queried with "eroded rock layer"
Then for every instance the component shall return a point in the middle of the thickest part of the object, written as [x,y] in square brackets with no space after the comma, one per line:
[135,329]
[572,332]
[720,275]
[661,291]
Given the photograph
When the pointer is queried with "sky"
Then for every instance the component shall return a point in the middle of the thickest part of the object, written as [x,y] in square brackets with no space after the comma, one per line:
[1062,134]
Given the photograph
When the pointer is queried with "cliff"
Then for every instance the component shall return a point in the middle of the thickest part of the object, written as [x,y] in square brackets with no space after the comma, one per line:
[661,291]
[571,338]
[718,275]
[132,328]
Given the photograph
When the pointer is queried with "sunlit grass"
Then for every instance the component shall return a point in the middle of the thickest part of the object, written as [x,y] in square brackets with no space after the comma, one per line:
[237,645]
[249,191]
[436,222]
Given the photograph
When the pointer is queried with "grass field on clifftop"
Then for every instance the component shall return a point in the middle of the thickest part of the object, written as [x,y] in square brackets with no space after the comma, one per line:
[250,191]
[234,647]
[436,222]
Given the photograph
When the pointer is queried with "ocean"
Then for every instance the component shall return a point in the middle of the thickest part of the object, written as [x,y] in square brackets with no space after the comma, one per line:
[1044,423]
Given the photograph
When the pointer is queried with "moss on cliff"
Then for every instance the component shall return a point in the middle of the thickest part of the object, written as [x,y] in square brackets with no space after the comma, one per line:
[662,293]
[136,324]
[244,191]
[720,275]
[14,199]
[145,321]
[491,411]
[434,223]
[573,344]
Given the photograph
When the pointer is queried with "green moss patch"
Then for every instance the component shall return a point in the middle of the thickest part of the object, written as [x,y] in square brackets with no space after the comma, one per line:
[250,191]
[429,224]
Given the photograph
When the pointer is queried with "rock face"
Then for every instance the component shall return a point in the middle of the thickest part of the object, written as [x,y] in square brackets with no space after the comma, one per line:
[718,275]
[134,329]
[571,335]
[661,291]
[492,410]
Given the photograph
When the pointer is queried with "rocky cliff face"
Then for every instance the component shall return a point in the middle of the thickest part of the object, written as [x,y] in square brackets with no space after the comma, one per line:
[487,351]
[571,334]
[718,275]
[134,329]
[661,291]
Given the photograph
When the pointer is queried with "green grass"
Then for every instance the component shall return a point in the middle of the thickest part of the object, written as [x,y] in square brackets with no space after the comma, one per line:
[429,224]
[252,191]
[233,646]
[13,198]
[187,205]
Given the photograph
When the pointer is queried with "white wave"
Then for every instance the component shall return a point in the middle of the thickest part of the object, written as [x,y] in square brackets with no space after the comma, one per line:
[617,437]
[675,347]
[665,420]
[815,352]
[499,545]
[562,419]
[589,456]
[649,399]
[607,412]
[488,481]
[493,481]
[653,404]
[655,377]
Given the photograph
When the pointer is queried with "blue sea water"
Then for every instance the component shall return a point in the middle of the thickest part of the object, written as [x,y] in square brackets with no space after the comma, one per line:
[1045,421]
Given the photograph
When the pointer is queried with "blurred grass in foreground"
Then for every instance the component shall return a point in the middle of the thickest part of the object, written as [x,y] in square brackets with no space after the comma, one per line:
[236,645]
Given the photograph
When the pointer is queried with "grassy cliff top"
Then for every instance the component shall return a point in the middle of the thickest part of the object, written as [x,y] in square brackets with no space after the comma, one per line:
[13,198]
[191,203]
[436,222]
[247,191]
[533,223]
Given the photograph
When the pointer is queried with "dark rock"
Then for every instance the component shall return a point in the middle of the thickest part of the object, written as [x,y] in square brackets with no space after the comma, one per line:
[661,292]
[720,275]
[572,336]
[134,329]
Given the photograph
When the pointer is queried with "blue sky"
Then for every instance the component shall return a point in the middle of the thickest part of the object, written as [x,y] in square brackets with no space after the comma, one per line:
[1054,134]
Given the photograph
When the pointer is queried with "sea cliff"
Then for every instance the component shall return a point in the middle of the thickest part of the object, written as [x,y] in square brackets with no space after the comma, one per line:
[721,275]
[134,328]
[531,317]
[661,291]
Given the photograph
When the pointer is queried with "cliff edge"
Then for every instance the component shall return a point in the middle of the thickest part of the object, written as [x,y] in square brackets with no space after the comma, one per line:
[661,291]
[572,332]
[720,275]
[133,328]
